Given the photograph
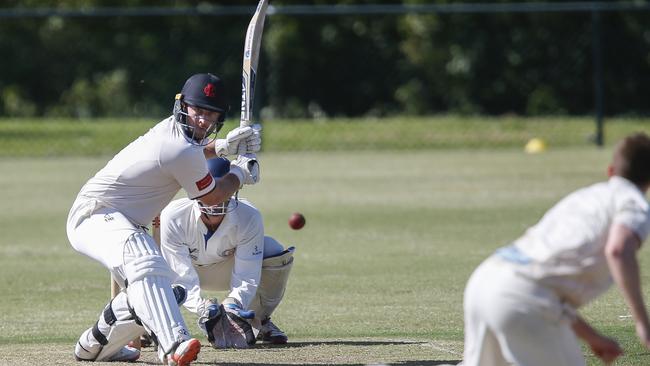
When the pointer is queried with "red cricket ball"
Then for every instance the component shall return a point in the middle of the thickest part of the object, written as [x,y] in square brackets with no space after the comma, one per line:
[297,221]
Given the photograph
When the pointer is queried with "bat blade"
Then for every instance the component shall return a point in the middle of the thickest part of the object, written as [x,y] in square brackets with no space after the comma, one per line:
[251,59]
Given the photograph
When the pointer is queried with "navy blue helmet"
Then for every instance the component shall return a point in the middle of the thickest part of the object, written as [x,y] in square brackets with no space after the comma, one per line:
[204,91]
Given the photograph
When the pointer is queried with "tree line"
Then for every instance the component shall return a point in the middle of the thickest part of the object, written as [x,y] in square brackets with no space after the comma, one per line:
[325,65]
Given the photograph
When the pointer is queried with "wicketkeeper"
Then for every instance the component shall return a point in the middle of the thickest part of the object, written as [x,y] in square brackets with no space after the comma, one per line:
[223,248]
[107,220]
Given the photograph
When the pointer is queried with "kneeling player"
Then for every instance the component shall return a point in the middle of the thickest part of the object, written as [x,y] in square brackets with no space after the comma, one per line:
[223,247]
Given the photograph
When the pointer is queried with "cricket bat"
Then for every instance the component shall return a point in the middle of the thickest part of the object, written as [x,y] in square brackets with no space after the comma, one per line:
[251,59]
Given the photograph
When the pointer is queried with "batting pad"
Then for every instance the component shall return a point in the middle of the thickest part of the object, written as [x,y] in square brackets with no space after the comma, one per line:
[115,327]
[273,283]
[150,292]
[122,332]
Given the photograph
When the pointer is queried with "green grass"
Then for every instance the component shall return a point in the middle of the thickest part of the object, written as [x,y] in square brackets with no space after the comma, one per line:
[60,137]
[391,238]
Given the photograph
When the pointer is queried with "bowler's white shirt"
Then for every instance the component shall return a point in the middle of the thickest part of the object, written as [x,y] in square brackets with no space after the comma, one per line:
[184,245]
[566,246]
[146,175]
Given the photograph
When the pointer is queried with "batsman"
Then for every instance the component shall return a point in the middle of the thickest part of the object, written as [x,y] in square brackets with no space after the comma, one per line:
[107,221]
[223,248]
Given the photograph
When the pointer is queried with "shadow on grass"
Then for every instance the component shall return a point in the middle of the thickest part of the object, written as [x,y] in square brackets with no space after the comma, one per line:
[336,343]
[401,363]
[342,343]
[333,343]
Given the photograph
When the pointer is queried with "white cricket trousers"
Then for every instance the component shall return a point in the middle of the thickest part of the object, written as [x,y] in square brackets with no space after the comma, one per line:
[512,320]
[100,233]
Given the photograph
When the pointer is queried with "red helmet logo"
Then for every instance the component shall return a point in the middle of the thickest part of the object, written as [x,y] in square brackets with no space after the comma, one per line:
[209,91]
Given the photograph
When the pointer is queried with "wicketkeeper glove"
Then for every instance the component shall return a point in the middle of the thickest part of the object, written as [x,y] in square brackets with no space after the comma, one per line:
[209,313]
[230,328]
[233,306]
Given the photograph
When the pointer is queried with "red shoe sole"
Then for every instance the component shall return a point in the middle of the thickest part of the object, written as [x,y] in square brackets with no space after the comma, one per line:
[190,354]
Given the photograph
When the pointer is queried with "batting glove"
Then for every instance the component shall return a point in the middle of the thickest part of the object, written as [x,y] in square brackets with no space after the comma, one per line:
[252,143]
[246,168]
[231,144]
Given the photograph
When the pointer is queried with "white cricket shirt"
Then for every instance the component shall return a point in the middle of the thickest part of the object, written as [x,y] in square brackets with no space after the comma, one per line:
[566,247]
[146,175]
[185,243]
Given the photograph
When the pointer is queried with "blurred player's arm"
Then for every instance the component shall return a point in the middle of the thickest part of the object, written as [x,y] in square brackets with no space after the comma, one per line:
[603,347]
[620,252]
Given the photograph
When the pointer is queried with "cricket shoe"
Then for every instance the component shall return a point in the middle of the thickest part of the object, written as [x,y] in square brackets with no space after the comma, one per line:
[125,354]
[270,333]
[185,353]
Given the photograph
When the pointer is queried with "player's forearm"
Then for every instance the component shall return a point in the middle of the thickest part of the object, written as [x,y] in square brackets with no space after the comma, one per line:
[244,289]
[624,268]
[193,300]
[189,279]
[607,349]
[583,330]
[223,190]
[246,278]
[244,292]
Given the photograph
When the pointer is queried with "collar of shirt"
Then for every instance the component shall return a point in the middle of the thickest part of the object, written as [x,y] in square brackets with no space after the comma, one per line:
[624,182]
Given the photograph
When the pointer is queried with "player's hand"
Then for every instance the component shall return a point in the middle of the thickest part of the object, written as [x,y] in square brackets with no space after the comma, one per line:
[246,168]
[233,306]
[643,331]
[605,348]
[231,144]
[252,143]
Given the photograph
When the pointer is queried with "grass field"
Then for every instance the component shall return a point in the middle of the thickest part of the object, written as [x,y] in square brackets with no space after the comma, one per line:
[96,137]
[391,238]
